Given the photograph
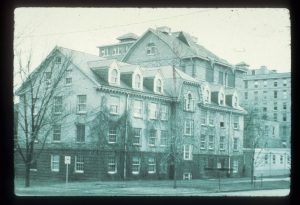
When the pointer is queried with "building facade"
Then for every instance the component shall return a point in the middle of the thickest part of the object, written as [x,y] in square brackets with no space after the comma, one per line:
[126,121]
[268,94]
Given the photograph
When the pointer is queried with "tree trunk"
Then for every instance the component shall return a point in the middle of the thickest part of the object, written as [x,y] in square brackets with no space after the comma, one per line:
[27,175]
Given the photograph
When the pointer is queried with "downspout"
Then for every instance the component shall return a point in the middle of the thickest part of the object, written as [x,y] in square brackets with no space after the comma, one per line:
[126,136]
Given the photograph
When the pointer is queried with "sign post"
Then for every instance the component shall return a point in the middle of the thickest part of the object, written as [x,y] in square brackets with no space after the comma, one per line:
[67,162]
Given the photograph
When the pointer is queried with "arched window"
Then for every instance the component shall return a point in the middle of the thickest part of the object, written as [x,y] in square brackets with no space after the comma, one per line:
[114,76]
[138,83]
[189,102]
[159,86]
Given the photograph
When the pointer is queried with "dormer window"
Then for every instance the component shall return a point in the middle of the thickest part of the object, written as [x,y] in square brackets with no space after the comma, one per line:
[114,76]
[151,49]
[159,86]
[138,81]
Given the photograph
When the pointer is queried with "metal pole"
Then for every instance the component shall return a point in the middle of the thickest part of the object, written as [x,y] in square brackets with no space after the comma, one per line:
[67,174]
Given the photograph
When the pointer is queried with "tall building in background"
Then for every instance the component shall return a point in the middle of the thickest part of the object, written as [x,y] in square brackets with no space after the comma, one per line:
[267,95]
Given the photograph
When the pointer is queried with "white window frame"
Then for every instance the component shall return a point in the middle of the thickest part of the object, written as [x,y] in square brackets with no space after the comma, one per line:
[159,87]
[56,132]
[80,139]
[57,104]
[222,143]
[187,152]
[189,126]
[211,142]
[136,164]
[111,162]
[163,138]
[189,102]
[152,137]
[164,112]
[236,124]
[112,134]
[222,99]
[202,141]
[151,165]
[114,107]
[79,164]
[81,103]
[114,79]
[153,110]
[138,108]
[55,159]
[135,136]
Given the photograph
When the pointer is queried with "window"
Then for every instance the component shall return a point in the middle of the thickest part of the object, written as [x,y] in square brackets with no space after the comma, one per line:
[138,81]
[255,96]
[236,122]
[284,117]
[202,141]
[79,164]
[246,95]
[281,159]
[163,137]
[48,79]
[265,83]
[222,120]
[58,106]
[137,136]
[57,60]
[211,118]
[211,142]
[112,135]
[284,105]
[235,166]
[274,158]
[189,103]
[152,137]
[246,84]
[235,102]
[265,109]
[159,86]
[55,163]
[222,100]
[255,84]
[56,133]
[221,78]
[265,94]
[153,111]
[203,117]
[275,116]
[114,105]
[266,158]
[151,49]
[135,165]
[284,82]
[68,77]
[275,94]
[81,106]
[235,144]
[111,164]
[222,142]
[80,133]
[275,106]
[151,165]
[207,96]
[187,176]
[164,112]
[275,84]
[284,94]
[187,152]
[114,76]
[138,108]
[188,127]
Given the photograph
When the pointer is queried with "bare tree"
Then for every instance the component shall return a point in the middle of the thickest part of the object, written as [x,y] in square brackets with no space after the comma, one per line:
[40,105]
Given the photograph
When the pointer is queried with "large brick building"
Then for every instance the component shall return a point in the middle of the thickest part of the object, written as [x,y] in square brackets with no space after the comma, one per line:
[125,118]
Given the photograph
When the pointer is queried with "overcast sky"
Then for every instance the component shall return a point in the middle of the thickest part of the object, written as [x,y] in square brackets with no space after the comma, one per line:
[255,36]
